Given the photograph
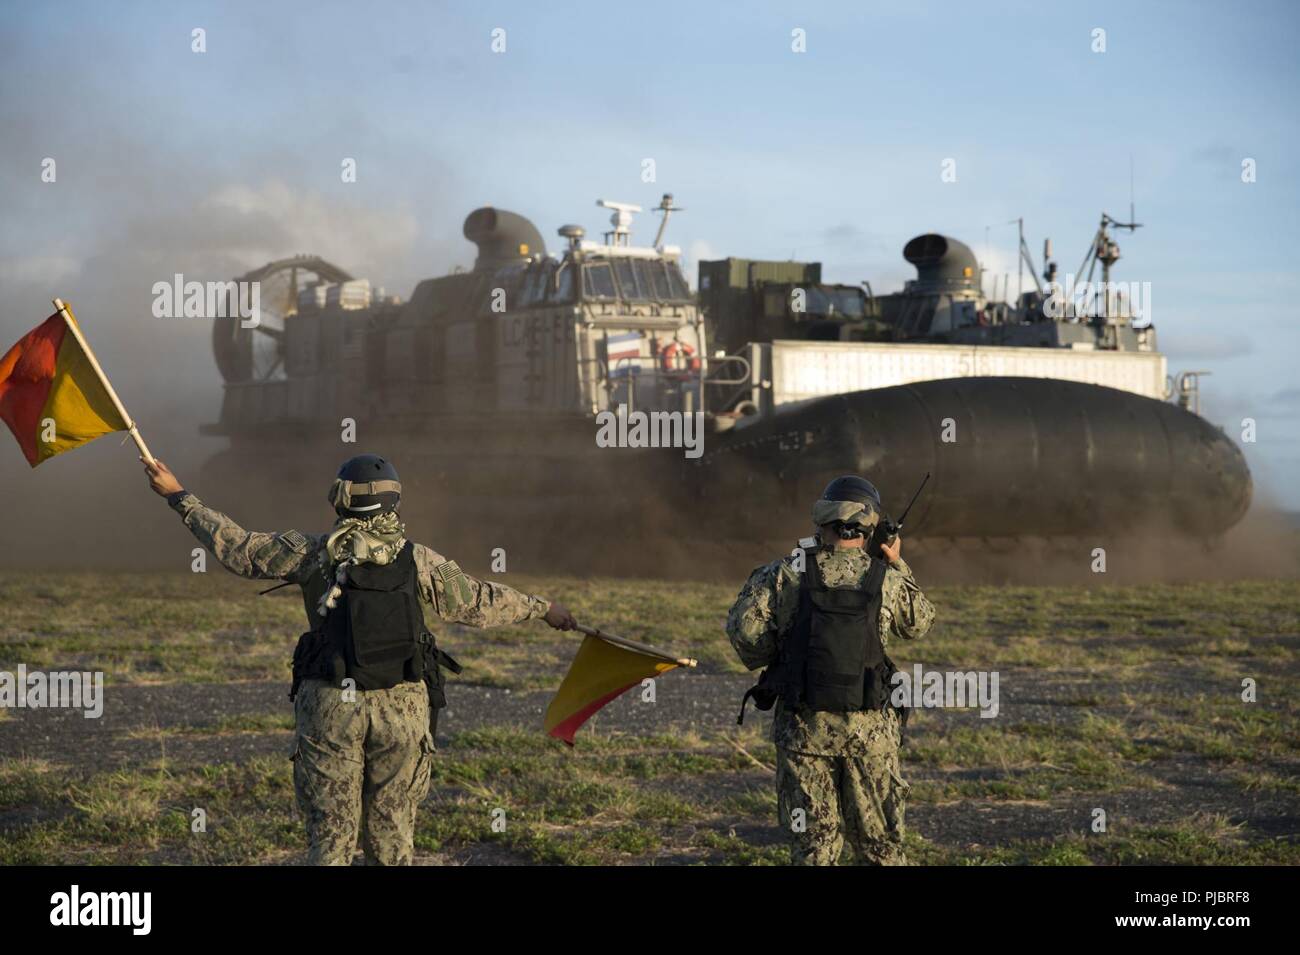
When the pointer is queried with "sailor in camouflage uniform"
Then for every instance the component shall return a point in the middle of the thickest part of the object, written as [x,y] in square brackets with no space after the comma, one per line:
[820,620]
[363,706]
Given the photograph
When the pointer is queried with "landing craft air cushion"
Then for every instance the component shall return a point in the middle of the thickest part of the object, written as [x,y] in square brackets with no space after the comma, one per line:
[1042,417]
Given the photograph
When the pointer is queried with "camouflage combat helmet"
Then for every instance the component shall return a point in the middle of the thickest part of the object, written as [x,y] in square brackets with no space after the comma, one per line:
[850,487]
[366,485]
[850,504]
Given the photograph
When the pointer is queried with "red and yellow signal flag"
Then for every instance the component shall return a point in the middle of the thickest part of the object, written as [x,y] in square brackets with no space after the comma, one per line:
[53,394]
[605,666]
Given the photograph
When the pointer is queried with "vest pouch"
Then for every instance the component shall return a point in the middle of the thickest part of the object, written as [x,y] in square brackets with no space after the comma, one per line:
[309,660]
[380,624]
[834,692]
[377,623]
[876,687]
[435,683]
[837,650]
[879,690]
[828,658]
[764,693]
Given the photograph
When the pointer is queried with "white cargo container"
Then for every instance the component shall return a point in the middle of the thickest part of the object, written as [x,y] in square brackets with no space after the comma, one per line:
[810,369]
[351,295]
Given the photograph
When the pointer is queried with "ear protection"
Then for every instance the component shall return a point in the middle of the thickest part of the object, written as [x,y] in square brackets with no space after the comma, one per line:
[848,532]
[342,492]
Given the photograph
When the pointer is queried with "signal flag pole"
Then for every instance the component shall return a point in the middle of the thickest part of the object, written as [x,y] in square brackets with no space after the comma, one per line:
[634,645]
[70,321]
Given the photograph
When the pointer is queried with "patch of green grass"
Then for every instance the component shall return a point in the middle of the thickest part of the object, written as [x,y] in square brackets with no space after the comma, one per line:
[147,815]
[1254,779]
[243,723]
[726,848]
[212,627]
[1200,839]
[591,804]
[29,782]
[1140,682]
[1027,761]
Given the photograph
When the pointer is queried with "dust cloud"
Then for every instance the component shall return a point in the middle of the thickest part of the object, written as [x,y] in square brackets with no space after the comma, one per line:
[106,239]
[91,509]
[1265,545]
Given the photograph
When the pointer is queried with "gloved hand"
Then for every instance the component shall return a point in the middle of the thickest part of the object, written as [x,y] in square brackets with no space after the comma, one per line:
[558,616]
[161,478]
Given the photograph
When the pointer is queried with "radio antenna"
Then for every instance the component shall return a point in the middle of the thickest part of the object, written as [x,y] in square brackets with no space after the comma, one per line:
[1131,216]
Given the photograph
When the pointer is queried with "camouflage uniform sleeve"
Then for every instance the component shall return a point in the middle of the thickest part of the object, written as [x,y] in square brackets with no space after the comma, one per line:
[459,598]
[905,611]
[290,555]
[763,613]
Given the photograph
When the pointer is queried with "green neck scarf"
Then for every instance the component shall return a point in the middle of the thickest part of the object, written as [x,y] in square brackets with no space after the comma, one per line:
[358,540]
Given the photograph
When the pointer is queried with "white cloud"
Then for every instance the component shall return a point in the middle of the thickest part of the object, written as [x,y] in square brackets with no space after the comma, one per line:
[38,269]
[697,252]
[273,220]
[1182,345]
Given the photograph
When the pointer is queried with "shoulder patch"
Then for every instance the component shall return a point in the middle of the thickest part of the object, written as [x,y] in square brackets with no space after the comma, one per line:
[454,585]
[448,571]
[296,541]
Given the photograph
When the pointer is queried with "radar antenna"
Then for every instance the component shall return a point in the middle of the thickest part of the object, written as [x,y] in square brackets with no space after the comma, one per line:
[621,220]
[1026,258]
[1105,250]
[667,208]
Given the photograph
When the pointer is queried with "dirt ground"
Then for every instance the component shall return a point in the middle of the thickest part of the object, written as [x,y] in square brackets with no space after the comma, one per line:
[191,726]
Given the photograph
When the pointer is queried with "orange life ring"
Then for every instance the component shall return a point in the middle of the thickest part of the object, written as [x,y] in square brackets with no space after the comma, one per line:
[670,351]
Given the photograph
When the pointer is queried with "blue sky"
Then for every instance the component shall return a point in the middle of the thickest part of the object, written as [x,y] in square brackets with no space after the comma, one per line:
[212,163]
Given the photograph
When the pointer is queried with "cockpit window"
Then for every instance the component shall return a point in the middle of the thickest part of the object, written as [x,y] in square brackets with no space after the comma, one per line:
[851,303]
[638,280]
[658,277]
[628,286]
[561,286]
[598,280]
[650,273]
[830,302]
[536,281]
[818,302]
[677,287]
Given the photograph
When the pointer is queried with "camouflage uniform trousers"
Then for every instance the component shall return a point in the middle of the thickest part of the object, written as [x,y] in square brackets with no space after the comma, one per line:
[860,797]
[361,768]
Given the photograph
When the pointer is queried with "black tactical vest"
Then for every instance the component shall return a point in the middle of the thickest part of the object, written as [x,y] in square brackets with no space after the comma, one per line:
[832,660]
[372,635]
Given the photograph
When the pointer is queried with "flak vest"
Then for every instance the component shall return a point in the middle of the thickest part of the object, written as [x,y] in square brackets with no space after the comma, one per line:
[375,635]
[832,660]
[376,624]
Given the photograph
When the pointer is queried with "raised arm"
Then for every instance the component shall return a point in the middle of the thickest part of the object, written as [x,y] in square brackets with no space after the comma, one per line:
[460,598]
[910,613]
[290,555]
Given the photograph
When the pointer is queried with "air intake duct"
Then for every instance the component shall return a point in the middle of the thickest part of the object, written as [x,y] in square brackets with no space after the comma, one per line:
[941,262]
[502,237]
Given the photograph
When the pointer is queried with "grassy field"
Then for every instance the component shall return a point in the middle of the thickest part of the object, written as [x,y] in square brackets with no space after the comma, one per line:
[1125,699]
